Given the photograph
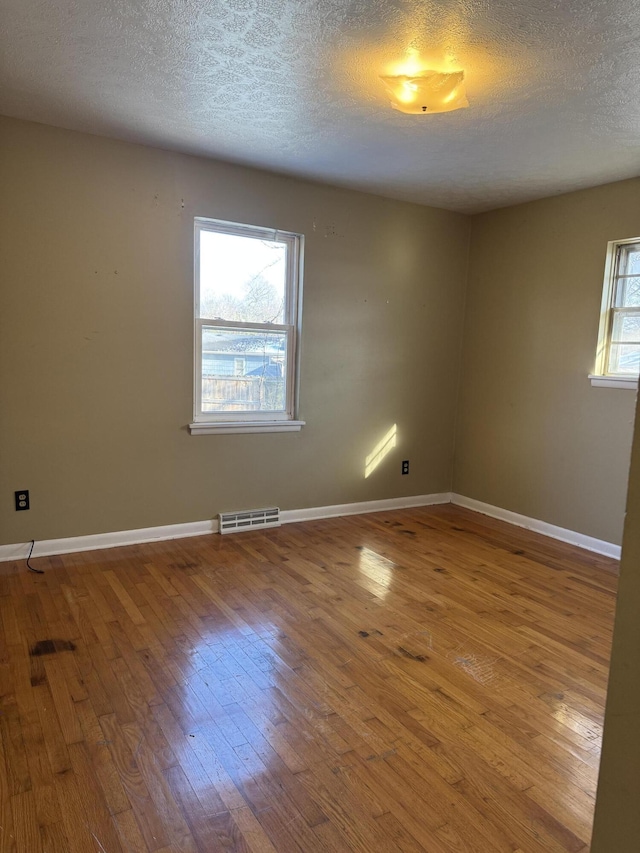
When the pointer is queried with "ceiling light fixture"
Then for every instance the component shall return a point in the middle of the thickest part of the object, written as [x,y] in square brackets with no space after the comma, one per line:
[426,92]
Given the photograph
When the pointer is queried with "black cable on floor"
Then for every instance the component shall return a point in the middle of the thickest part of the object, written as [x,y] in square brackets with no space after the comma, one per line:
[29,566]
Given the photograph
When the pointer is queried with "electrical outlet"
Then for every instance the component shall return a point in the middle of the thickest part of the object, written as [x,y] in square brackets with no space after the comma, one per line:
[22,499]
[405,466]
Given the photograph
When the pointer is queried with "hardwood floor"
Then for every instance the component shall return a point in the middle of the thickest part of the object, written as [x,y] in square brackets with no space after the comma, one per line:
[423,680]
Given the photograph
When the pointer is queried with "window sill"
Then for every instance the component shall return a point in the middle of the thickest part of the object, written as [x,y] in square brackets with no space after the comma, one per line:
[230,427]
[613,382]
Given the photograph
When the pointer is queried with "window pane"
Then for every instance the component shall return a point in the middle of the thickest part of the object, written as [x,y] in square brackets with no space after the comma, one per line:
[625,358]
[243,371]
[242,278]
[628,292]
[626,327]
[629,260]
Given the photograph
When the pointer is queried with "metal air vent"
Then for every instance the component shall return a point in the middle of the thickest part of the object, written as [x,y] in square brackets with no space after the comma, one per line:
[251,519]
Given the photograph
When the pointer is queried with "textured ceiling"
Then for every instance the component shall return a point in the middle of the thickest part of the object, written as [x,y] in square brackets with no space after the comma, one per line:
[293,86]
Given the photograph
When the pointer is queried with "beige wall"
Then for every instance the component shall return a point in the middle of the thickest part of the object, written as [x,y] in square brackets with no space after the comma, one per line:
[96,345]
[617,818]
[96,339]
[533,436]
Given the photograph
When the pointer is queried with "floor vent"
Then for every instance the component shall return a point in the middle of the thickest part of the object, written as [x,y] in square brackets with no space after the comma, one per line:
[252,519]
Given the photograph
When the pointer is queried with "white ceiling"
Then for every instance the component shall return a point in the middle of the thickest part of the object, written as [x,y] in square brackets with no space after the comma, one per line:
[293,86]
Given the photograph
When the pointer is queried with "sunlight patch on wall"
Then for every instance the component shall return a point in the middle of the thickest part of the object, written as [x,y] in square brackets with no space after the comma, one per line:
[382,448]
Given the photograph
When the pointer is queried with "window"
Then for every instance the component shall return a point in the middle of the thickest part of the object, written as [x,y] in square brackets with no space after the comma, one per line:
[247,318]
[618,356]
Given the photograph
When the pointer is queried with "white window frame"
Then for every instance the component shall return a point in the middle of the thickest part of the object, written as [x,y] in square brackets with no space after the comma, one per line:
[601,376]
[266,421]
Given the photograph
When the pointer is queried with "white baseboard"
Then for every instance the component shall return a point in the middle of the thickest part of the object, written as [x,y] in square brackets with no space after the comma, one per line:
[607,549]
[50,547]
[93,542]
[288,516]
